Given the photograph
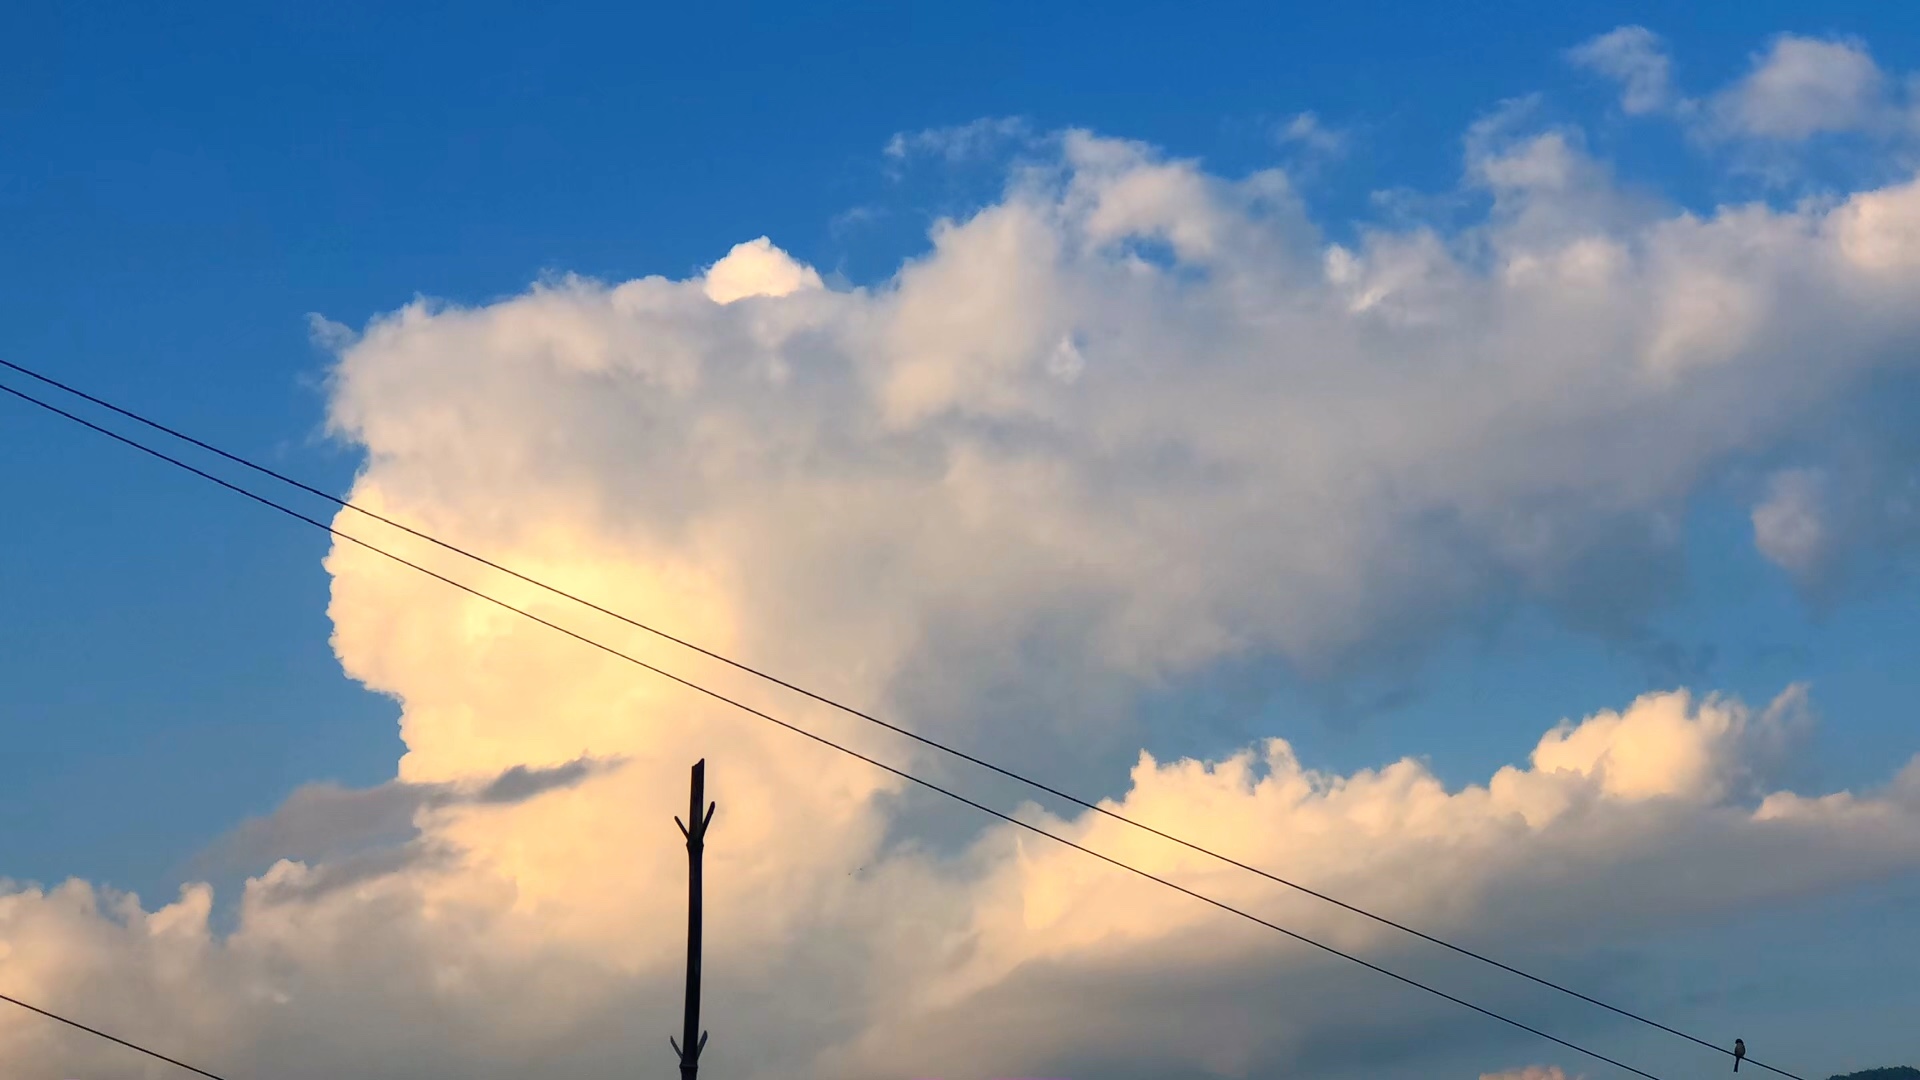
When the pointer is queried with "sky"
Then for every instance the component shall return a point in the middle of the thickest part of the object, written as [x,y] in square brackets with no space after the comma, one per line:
[1510,410]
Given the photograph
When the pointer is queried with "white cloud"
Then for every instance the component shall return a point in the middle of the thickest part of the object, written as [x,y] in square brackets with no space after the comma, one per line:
[1637,59]
[1804,86]
[1130,420]
[1207,414]
[1880,231]
[1628,831]
[757,268]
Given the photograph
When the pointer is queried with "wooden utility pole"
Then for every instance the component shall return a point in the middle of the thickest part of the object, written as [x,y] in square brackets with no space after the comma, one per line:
[693,1040]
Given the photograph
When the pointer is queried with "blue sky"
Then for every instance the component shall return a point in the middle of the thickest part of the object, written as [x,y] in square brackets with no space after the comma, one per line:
[180,190]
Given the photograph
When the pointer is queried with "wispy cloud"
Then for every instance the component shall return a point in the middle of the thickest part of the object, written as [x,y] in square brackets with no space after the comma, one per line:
[325,821]
[971,141]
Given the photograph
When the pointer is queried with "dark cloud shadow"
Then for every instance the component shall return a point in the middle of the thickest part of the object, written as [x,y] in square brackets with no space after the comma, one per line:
[357,830]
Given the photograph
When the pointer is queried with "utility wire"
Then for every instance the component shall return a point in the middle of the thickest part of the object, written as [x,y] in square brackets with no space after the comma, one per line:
[816,697]
[155,1054]
[824,741]
[1036,785]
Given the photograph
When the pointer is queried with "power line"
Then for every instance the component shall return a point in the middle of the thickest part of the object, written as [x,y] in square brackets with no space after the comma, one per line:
[924,740]
[818,738]
[824,741]
[155,1054]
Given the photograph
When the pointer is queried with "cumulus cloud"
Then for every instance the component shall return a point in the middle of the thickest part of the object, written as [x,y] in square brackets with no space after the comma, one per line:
[757,268]
[1225,473]
[1616,827]
[1130,420]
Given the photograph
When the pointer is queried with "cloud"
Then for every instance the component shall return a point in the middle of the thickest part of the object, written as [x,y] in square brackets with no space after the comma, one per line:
[1129,421]
[940,394]
[1531,1072]
[1790,527]
[1844,526]
[960,142]
[1617,825]
[1637,59]
[1307,131]
[1615,828]
[1796,89]
[325,821]
[757,268]
[326,334]
[1803,86]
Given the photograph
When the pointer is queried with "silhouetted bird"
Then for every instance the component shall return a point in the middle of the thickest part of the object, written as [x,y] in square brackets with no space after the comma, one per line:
[1739,1051]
